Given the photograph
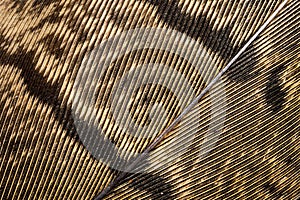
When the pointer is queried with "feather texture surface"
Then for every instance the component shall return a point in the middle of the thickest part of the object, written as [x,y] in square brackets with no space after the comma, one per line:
[87,86]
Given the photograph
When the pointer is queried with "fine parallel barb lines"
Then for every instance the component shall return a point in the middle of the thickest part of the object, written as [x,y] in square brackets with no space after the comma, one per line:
[193,103]
[149,99]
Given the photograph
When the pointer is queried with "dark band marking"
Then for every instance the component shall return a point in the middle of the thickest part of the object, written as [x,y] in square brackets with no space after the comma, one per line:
[274,90]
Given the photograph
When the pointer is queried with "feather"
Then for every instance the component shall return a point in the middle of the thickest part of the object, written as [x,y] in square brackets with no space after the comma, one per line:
[149,99]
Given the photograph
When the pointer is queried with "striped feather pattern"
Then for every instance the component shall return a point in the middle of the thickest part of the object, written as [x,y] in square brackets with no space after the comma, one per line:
[241,140]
